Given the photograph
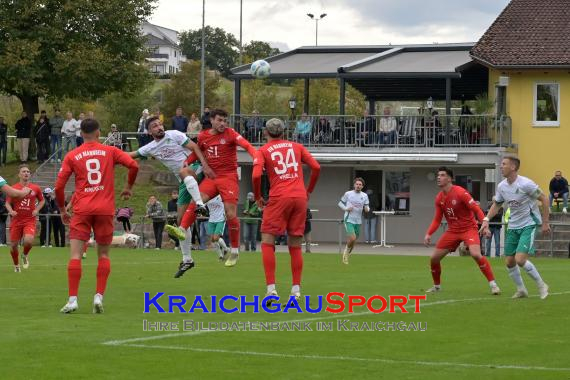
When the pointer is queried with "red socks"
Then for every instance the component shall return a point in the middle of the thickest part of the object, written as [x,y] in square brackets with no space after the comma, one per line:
[268,256]
[436,273]
[486,268]
[103,271]
[15,255]
[296,264]
[189,216]
[233,225]
[27,249]
[73,276]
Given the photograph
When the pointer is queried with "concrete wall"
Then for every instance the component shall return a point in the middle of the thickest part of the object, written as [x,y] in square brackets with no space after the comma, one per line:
[401,229]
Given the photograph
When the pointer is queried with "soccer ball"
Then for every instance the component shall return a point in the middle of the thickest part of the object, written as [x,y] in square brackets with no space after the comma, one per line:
[463,250]
[260,69]
[132,240]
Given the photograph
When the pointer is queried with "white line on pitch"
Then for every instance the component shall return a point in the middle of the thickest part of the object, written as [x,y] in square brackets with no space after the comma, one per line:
[350,358]
[321,318]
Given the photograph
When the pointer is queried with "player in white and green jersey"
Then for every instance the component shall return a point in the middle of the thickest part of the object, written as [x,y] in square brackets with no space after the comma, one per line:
[216,225]
[11,192]
[519,194]
[353,202]
[171,148]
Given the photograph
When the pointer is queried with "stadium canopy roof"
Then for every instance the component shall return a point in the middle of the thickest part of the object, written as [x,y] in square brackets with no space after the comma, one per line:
[384,72]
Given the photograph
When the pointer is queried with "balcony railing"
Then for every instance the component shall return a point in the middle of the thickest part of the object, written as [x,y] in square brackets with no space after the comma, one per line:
[460,131]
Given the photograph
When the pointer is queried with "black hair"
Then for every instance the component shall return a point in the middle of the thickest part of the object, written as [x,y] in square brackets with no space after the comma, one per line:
[89,125]
[150,120]
[447,170]
[359,179]
[217,112]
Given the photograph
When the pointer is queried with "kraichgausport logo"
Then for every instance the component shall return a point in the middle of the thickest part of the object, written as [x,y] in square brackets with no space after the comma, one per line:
[333,302]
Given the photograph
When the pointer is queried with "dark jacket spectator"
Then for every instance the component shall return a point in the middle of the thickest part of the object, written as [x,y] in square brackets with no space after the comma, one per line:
[3,141]
[180,123]
[558,184]
[23,128]
[43,134]
[205,120]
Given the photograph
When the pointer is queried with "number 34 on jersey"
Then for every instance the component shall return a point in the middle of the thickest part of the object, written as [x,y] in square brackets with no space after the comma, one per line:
[285,166]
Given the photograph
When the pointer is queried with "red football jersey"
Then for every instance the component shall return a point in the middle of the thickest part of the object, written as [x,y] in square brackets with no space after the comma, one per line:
[25,206]
[93,165]
[221,150]
[282,161]
[457,206]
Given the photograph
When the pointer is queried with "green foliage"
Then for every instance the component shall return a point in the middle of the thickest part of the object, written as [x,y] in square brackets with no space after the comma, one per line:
[125,111]
[82,49]
[255,50]
[324,97]
[482,104]
[221,48]
[256,95]
[184,89]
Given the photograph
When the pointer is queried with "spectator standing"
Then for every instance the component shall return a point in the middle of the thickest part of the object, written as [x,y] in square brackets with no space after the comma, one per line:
[3,141]
[142,131]
[303,129]
[155,211]
[495,228]
[254,126]
[559,189]
[114,138]
[43,134]
[371,219]
[205,121]
[307,232]
[251,210]
[56,125]
[68,132]
[368,128]
[23,133]
[124,215]
[78,137]
[387,128]
[49,208]
[56,225]
[3,218]
[172,216]
[194,127]
[179,121]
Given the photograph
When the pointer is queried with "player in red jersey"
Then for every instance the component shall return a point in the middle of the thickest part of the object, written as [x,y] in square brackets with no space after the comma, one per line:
[287,207]
[93,205]
[458,207]
[219,144]
[24,212]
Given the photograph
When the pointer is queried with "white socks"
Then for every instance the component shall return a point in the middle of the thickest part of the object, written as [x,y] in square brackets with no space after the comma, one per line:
[235,250]
[296,289]
[515,274]
[192,187]
[186,247]
[533,272]
[492,283]
[72,299]
[270,288]
[222,244]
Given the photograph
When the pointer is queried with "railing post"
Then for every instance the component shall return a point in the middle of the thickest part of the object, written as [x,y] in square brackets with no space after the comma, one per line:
[552,240]
[340,237]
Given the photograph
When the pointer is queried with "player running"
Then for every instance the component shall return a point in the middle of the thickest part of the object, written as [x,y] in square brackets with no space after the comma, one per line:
[353,202]
[520,195]
[24,212]
[171,148]
[287,207]
[216,226]
[93,205]
[219,144]
[458,207]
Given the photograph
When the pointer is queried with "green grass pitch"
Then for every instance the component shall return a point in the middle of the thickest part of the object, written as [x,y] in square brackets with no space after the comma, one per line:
[470,334]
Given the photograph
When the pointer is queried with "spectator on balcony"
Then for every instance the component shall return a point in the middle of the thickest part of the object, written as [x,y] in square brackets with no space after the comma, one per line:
[322,134]
[142,132]
[68,132]
[56,124]
[43,134]
[303,129]
[205,120]
[115,138]
[387,128]
[23,133]
[465,124]
[194,127]
[253,127]
[179,121]
[559,189]
[3,141]
[368,130]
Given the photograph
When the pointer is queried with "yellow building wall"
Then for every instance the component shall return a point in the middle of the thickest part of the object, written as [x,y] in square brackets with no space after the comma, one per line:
[542,150]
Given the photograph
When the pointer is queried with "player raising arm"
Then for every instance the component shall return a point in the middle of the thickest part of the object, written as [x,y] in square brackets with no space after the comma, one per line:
[93,205]
[458,207]
[287,206]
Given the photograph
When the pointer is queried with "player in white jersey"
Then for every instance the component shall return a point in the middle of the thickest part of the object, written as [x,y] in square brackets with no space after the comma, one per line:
[353,202]
[171,148]
[11,192]
[216,225]
[520,194]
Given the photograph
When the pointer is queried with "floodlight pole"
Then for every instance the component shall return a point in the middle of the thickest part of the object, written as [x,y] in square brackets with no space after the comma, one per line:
[240,31]
[203,58]
[317,19]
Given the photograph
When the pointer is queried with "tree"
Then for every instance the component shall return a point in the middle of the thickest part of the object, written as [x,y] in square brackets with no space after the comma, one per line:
[324,97]
[221,48]
[184,89]
[82,49]
[258,50]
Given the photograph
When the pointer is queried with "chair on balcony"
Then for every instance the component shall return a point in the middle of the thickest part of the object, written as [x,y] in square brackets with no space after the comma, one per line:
[407,131]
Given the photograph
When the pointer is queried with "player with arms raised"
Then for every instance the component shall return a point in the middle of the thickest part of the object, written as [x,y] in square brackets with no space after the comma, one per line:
[458,207]
[219,144]
[287,207]
[520,195]
[24,212]
[93,207]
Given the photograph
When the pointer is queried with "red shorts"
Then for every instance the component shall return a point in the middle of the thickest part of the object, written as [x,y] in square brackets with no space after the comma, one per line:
[225,185]
[102,226]
[19,228]
[284,214]
[451,240]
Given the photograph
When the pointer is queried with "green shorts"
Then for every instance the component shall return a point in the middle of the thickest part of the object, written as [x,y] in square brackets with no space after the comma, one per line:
[215,228]
[184,196]
[352,229]
[520,240]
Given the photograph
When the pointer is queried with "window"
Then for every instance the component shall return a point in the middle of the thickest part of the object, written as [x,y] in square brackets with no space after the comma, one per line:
[397,191]
[546,111]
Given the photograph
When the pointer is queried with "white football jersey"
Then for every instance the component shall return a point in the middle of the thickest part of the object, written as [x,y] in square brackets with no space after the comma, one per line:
[170,150]
[357,201]
[216,208]
[520,196]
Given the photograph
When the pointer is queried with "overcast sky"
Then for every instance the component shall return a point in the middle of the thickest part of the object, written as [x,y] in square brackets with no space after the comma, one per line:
[284,23]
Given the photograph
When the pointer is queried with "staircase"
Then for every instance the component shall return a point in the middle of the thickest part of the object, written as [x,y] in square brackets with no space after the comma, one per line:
[555,245]
[46,174]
